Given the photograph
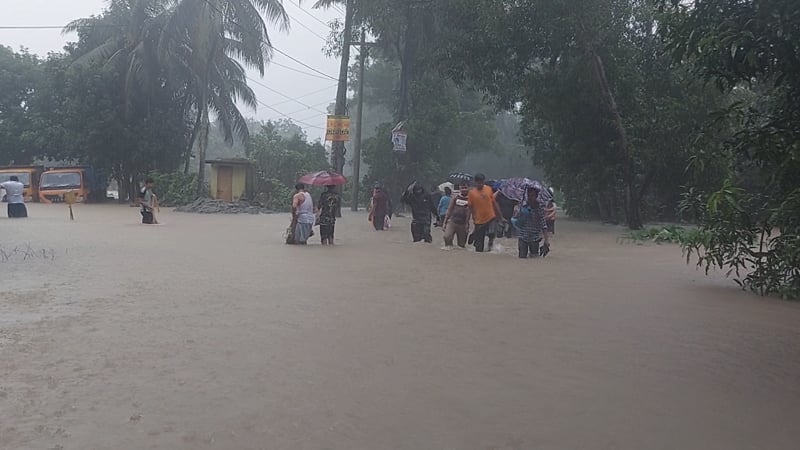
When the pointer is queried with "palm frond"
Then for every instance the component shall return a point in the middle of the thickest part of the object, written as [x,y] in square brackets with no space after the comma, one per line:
[326,4]
[274,12]
[104,53]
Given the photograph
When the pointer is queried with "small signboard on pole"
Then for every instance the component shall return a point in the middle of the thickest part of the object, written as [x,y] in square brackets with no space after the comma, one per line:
[69,199]
[337,129]
[399,137]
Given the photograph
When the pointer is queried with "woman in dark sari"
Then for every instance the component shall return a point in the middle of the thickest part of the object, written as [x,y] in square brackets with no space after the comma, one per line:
[379,209]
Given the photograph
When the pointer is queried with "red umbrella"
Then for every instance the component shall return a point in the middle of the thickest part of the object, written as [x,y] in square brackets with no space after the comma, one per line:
[323,178]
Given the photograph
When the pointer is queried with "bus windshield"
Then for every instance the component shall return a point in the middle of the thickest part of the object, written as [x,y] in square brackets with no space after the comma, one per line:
[60,180]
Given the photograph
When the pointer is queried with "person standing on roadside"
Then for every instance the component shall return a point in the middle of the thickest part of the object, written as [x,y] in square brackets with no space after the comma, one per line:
[302,214]
[484,211]
[456,218]
[329,203]
[379,209]
[15,196]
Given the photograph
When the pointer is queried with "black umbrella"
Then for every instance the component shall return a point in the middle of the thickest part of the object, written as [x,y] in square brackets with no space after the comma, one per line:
[459,177]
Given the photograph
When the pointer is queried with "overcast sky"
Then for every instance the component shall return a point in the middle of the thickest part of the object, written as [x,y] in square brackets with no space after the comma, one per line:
[299,42]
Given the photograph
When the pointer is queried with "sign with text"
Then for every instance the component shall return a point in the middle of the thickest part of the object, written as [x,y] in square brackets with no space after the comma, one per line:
[338,128]
[399,141]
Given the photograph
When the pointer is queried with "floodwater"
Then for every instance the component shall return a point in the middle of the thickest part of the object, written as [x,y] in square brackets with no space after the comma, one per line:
[206,332]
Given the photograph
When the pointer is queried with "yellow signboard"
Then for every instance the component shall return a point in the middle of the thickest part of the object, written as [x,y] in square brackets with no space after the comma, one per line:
[338,128]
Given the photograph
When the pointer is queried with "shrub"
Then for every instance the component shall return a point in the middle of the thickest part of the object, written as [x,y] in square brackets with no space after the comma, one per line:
[669,234]
[274,195]
[174,188]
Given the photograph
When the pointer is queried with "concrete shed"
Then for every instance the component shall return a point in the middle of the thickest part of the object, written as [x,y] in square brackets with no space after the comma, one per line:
[230,179]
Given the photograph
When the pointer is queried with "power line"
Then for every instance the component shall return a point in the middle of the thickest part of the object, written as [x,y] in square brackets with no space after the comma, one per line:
[298,70]
[311,117]
[288,117]
[268,44]
[46,27]
[307,28]
[284,95]
[309,14]
[318,73]
[56,27]
[307,95]
[300,62]
[326,102]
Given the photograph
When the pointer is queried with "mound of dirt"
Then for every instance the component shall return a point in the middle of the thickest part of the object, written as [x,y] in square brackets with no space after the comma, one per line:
[209,206]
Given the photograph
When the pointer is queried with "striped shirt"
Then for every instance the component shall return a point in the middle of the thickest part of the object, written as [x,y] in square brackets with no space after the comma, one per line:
[530,223]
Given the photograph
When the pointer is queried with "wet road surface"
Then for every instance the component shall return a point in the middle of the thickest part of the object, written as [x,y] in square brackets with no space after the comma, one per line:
[207,332]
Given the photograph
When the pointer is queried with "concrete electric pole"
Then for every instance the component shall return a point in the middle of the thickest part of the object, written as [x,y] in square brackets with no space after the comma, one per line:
[362,59]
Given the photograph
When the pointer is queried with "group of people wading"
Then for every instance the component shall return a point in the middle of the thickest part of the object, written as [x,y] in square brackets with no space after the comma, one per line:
[305,216]
[473,215]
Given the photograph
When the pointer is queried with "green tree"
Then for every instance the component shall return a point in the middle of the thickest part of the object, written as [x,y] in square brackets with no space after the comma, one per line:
[19,76]
[192,48]
[444,121]
[750,49]
[282,154]
[125,36]
[119,62]
[208,38]
[600,102]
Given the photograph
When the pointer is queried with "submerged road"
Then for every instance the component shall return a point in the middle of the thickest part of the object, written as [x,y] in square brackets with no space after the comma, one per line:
[206,332]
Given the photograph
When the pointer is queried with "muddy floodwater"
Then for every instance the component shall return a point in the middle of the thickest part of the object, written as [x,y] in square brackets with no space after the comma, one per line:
[207,332]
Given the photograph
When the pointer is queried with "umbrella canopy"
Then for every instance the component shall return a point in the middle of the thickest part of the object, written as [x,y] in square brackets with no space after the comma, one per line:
[323,178]
[459,177]
[447,184]
[515,188]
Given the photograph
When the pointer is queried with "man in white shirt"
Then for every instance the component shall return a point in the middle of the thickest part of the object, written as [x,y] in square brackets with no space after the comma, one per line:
[303,215]
[15,196]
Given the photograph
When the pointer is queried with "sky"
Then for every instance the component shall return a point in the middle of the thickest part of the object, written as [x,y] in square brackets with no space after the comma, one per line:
[299,42]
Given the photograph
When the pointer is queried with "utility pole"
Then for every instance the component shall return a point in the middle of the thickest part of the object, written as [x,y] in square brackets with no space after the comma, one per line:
[362,59]
[337,147]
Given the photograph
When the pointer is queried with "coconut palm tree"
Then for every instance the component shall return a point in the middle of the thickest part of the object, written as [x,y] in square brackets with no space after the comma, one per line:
[125,36]
[213,40]
[125,39]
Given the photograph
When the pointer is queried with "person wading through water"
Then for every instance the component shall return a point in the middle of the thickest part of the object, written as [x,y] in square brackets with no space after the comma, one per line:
[15,196]
[147,201]
[436,197]
[443,205]
[379,209]
[456,218]
[422,208]
[484,211]
[302,214]
[529,219]
[329,203]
